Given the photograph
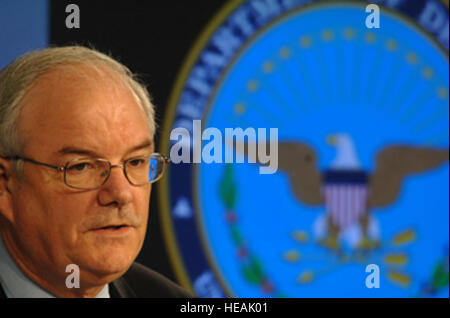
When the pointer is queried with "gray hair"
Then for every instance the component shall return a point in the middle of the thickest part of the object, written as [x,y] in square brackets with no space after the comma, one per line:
[18,77]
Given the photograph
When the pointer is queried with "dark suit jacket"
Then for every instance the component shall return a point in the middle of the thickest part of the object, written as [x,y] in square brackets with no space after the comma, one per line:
[141,282]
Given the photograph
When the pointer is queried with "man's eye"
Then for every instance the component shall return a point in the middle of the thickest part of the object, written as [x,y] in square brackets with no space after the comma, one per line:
[136,162]
[80,167]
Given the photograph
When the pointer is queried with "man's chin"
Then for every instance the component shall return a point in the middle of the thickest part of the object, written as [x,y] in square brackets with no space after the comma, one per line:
[104,269]
[107,258]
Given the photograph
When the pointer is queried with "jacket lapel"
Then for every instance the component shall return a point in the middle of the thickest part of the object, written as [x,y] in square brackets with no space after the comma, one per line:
[120,289]
[2,292]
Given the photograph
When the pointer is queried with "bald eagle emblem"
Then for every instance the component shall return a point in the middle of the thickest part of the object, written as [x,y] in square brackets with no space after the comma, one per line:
[349,192]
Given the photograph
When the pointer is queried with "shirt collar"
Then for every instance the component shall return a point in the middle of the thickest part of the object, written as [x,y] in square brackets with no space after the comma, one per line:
[17,285]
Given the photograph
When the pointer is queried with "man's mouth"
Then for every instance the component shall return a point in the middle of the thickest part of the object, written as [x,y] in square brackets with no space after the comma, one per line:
[119,229]
[113,227]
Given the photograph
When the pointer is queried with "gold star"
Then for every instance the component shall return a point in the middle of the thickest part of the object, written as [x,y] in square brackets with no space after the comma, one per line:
[239,109]
[327,35]
[370,37]
[300,236]
[252,86]
[391,45]
[291,256]
[305,41]
[442,92]
[268,67]
[427,72]
[285,53]
[305,277]
[349,33]
[412,58]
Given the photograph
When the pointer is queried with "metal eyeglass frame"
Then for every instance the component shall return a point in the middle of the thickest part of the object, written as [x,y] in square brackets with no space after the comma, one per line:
[165,161]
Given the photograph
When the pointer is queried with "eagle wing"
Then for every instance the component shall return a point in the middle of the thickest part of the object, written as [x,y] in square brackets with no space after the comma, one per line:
[394,163]
[299,162]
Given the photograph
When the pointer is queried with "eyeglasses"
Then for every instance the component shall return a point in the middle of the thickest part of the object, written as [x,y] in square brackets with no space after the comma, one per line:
[92,173]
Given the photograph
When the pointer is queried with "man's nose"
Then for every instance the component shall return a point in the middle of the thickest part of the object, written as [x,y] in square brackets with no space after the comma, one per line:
[117,189]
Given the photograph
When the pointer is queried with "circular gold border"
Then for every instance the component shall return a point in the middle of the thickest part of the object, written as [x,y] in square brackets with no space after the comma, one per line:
[164,194]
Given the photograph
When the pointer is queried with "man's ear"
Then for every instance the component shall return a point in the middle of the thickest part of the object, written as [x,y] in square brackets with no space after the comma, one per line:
[6,206]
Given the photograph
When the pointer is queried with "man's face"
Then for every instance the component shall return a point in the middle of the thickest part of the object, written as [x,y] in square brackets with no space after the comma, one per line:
[66,116]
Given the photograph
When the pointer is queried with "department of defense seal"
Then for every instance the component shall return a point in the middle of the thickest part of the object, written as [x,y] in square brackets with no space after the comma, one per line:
[362,118]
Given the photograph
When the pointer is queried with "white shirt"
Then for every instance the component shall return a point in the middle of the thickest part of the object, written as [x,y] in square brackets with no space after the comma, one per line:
[17,285]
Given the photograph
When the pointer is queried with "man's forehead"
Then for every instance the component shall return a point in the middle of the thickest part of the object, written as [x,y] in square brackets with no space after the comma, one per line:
[78,79]
[74,87]
[84,104]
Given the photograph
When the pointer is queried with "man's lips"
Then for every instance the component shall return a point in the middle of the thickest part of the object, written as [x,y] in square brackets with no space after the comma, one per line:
[112,229]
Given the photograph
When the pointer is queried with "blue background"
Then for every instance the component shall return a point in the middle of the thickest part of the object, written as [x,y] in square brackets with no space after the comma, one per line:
[23,27]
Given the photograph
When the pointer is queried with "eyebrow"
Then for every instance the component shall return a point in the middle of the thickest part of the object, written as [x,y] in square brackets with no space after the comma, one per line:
[87,152]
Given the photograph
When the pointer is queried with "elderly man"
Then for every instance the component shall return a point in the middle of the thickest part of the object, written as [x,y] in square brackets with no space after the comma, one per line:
[77,164]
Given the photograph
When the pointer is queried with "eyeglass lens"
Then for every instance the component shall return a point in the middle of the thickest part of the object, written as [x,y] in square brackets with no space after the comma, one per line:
[92,173]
